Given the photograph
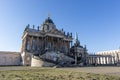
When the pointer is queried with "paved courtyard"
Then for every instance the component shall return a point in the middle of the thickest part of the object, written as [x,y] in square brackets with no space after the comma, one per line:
[115,71]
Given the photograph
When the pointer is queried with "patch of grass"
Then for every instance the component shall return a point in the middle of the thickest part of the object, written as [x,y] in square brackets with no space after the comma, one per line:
[51,74]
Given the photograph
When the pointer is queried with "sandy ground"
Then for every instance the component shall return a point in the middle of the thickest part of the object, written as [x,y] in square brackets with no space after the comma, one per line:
[115,71]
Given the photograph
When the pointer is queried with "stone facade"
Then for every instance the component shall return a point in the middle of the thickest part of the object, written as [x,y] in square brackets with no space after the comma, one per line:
[46,37]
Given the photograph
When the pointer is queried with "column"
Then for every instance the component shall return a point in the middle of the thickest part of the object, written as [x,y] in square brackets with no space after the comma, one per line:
[102,60]
[95,59]
[68,45]
[31,42]
[25,43]
[112,60]
[58,47]
[37,44]
[30,45]
[63,47]
[92,60]
[89,60]
[45,42]
[42,42]
[108,60]
[105,60]
[99,60]
[52,43]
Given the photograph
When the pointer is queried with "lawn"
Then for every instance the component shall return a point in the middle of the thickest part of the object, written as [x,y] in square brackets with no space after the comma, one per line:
[51,74]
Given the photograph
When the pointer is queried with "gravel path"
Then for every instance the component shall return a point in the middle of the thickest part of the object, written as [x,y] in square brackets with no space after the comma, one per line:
[98,70]
[115,71]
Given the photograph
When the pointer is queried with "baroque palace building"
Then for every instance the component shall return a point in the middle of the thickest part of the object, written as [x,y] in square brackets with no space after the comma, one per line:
[49,46]
[46,37]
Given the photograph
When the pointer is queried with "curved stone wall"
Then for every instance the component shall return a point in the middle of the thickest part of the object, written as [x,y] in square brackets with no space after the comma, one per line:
[36,62]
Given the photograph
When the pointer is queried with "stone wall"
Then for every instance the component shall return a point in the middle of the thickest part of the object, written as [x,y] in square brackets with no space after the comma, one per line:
[10,58]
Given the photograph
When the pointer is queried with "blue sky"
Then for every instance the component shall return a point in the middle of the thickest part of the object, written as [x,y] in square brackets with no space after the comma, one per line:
[96,21]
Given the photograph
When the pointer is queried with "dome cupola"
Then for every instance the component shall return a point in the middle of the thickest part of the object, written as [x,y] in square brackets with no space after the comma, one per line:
[48,25]
[48,20]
